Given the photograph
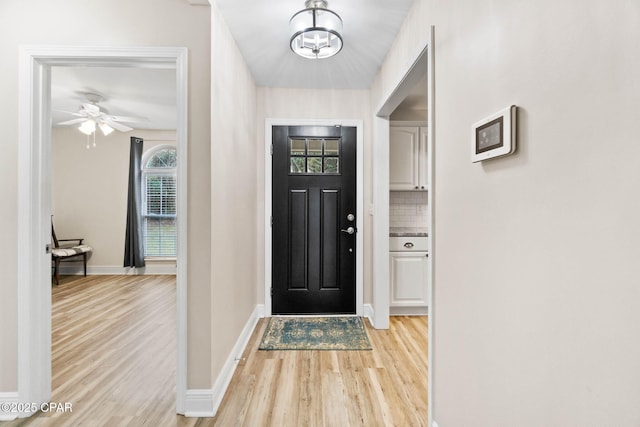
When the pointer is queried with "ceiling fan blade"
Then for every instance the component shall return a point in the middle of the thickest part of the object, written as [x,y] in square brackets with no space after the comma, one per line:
[118,126]
[73,113]
[71,122]
[127,119]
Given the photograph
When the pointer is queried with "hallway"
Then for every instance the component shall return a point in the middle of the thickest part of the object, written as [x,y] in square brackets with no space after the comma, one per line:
[114,360]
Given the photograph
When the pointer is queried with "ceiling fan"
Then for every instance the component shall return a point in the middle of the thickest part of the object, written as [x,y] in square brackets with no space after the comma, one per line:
[91,115]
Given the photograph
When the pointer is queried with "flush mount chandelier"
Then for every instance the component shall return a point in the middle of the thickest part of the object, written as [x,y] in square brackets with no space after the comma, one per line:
[315,31]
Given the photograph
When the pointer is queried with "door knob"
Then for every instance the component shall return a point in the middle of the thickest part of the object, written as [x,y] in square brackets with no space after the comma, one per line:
[349,230]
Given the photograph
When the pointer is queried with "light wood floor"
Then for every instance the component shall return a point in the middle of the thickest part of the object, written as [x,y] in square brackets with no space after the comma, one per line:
[383,387]
[113,358]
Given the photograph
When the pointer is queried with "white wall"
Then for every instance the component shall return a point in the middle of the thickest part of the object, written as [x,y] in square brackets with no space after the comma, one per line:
[89,189]
[536,278]
[103,22]
[281,103]
[234,193]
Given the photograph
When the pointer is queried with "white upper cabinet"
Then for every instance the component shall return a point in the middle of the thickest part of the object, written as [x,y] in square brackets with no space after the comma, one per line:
[408,158]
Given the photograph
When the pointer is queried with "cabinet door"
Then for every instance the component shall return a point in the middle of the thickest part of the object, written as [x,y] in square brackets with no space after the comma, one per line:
[409,279]
[403,162]
[423,160]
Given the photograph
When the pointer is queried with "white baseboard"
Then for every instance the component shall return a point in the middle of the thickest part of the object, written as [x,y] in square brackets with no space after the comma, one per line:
[260,311]
[199,403]
[102,270]
[205,403]
[408,311]
[10,398]
[368,312]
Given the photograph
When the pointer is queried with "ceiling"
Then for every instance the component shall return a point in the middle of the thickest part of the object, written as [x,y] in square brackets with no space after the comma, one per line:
[146,93]
[261,31]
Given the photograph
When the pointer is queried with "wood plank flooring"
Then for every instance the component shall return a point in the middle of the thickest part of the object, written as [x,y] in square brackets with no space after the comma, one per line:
[114,359]
[383,387]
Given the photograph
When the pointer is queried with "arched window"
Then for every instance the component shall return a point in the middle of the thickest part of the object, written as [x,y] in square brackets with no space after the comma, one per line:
[159,201]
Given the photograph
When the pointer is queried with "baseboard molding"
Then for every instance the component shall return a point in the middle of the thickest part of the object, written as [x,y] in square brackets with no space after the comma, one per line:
[108,270]
[408,311]
[10,398]
[368,312]
[205,403]
[198,403]
[260,311]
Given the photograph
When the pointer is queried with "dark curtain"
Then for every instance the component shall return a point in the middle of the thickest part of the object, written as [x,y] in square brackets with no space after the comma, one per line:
[134,240]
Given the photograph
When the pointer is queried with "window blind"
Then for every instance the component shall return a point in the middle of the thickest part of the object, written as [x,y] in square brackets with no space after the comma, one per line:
[160,215]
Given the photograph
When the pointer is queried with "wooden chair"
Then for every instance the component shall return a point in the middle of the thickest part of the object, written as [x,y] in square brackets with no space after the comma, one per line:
[67,252]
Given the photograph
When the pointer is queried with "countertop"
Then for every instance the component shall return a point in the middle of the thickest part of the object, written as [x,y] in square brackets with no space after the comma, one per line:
[408,232]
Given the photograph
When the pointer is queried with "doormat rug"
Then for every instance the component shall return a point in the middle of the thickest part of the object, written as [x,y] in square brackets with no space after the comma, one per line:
[315,333]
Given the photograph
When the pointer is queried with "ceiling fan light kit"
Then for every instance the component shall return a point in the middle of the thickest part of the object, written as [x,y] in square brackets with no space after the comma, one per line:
[105,128]
[316,31]
[88,127]
[92,116]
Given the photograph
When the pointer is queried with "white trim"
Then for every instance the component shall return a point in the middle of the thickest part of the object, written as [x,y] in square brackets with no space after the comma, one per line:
[34,307]
[8,398]
[260,310]
[381,223]
[109,270]
[34,160]
[224,378]
[406,81]
[409,311]
[182,138]
[199,403]
[434,423]
[205,403]
[368,312]
[358,124]
[431,138]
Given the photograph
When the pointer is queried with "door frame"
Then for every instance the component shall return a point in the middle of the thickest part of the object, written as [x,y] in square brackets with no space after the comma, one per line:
[424,62]
[268,193]
[34,205]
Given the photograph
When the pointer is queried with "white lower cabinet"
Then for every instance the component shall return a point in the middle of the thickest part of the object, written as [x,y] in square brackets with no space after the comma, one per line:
[409,282]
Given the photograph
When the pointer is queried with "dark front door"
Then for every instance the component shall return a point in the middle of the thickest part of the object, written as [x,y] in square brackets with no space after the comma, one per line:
[314,208]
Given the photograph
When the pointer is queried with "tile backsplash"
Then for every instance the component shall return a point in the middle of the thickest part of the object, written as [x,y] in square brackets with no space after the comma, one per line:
[408,209]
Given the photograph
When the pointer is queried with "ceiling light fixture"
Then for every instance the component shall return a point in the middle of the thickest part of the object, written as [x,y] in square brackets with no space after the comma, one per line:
[315,31]
[105,128]
[87,127]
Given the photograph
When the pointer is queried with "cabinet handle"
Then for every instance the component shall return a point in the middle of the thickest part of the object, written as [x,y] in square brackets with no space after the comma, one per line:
[408,245]
[416,187]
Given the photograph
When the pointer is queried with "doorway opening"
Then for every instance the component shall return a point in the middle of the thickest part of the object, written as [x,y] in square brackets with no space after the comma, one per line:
[423,65]
[34,205]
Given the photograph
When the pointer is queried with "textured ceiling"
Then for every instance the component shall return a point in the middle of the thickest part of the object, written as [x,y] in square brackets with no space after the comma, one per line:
[261,30]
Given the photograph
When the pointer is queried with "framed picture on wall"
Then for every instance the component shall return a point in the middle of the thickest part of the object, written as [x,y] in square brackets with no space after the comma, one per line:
[494,136]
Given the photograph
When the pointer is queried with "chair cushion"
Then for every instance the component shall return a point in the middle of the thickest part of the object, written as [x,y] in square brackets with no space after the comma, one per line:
[74,250]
